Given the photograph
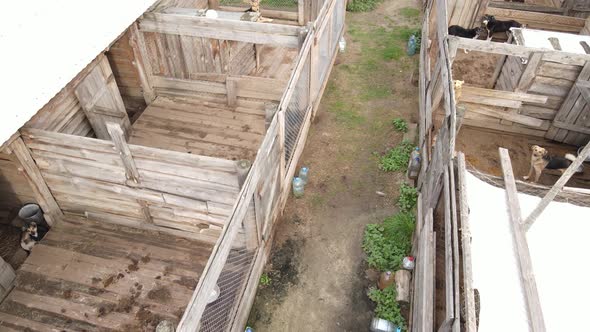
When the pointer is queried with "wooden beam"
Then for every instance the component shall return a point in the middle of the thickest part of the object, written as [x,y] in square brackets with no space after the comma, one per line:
[36,181]
[557,187]
[230,86]
[142,63]
[449,293]
[278,14]
[244,31]
[518,96]
[523,256]
[456,263]
[470,325]
[526,7]
[118,138]
[520,51]
[301,12]
[530,72]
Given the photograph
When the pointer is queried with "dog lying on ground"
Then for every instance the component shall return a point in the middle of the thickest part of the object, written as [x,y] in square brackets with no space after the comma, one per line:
[459,31]
[540,160]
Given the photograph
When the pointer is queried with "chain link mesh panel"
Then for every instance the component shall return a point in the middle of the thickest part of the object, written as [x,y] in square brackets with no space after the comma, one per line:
[218,315]
[289,5]
[296,111]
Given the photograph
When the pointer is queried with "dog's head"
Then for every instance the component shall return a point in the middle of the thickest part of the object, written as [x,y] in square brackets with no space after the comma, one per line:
[538,152]
[31,229]
[458,84]
[487,19]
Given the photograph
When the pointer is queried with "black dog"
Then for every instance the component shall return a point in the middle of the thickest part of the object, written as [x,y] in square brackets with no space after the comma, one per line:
[458,31]
[493,25]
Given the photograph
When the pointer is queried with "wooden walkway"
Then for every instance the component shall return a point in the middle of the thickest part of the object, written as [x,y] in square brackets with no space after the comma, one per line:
[86,276]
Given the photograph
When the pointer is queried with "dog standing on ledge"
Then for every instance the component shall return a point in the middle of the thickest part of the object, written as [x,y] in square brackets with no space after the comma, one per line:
[540,160]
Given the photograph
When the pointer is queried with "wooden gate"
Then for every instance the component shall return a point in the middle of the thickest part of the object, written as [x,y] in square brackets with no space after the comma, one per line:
[100,98]
[572,122]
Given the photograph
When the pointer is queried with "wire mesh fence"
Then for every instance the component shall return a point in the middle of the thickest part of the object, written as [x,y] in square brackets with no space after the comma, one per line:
[296,111]
[290,5]
[218,314]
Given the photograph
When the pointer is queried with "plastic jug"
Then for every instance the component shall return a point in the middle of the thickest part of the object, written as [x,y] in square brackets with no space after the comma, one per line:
[303,174]
[415,162]
[408,263]
[342,44]
[412,45]
[298,185]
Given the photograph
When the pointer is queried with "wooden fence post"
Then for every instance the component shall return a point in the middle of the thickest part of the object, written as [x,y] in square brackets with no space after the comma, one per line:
[36,181]
[118,138]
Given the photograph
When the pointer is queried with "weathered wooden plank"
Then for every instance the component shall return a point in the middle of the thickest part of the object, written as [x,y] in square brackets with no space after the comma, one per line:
[118,137]
[522,254]
[534,17]
[508,115]
[36,181]
[529,73]
[470,318]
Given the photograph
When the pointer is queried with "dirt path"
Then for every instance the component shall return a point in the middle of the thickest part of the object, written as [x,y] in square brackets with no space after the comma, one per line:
[317,274]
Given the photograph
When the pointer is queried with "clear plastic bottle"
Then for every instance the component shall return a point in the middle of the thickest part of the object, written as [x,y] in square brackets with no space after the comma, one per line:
[303,172]
[412,45]
[408,263]
[415,161]
[342,44]
[298,186]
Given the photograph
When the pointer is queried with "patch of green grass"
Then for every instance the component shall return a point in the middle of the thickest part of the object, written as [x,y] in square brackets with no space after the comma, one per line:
[362,5]
[378,92]
[265,279]
[408,12]
[387,307]
[345,114]
[397,159]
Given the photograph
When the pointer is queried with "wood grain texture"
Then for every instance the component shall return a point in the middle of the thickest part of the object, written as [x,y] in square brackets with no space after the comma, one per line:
[101,277]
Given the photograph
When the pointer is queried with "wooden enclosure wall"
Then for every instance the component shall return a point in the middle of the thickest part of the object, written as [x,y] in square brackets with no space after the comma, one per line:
[184,194]
[124,65]
[14,188]
[543,21]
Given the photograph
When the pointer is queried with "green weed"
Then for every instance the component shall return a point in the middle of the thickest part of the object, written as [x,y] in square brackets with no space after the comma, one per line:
[362,5]
[265,280]
[378,92]
[397,159]
[400,125]
[386,244]
[387,307]
[408,197]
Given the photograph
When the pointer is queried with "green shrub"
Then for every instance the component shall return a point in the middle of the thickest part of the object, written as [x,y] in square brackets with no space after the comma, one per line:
[400,125]
[397,159]
[388,243]
[265,280]
[408,197]
[387,307]
[362,5]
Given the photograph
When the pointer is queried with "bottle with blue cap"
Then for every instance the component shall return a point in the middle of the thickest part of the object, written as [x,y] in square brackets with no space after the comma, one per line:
[415,161]
[303,172]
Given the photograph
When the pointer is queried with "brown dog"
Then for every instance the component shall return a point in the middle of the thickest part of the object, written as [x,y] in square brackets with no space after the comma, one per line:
[540,160]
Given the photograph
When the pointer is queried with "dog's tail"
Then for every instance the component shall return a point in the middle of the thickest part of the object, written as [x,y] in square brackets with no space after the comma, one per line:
[570,157]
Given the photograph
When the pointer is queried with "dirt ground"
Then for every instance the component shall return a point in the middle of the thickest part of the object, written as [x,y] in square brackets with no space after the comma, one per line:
[317,277]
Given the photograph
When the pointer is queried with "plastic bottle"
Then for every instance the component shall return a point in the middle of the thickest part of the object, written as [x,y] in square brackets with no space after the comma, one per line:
[415,161]
[382,325]
[249,329]
[342,44]
[412,45]
[408,263]
[298,187]
[385,280]
[303,174]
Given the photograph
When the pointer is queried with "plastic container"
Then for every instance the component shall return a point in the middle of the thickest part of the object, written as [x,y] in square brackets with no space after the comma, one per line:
[385,280]
[249,329]
[415,162]
[303,172]
[412,45]
[342,45]
[382,325]
[32,213]
[298,187]
[408,263]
